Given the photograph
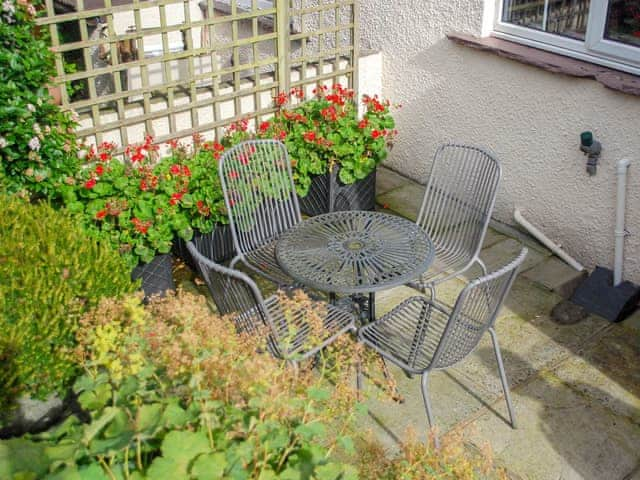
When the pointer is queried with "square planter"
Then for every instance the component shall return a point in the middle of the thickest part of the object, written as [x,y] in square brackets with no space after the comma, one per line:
[216,245]
[157,275]
[328,194]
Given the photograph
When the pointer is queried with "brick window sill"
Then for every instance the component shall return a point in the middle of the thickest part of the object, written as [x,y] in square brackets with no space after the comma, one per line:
[552,62]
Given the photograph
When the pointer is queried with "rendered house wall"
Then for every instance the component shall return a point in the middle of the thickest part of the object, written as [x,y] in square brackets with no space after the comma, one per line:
[529,117]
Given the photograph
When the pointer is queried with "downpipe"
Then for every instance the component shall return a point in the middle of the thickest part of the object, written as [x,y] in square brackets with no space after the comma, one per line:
[620,232]
[546,241]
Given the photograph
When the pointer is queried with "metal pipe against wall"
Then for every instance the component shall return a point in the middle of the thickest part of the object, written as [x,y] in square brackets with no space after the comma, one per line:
[621,173]
[546,241]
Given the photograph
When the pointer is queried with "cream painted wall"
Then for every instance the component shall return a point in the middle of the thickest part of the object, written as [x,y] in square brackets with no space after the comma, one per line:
[529,117]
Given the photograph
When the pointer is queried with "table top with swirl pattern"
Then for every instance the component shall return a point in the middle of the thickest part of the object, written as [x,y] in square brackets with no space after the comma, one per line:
[354,251]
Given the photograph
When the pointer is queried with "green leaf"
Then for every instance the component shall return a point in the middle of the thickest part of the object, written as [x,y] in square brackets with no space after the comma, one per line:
[347,444]
[308,431]
[209,466]
[330,471]
[96,426]
[166,469]
[319,394]
[18,456]
[179,449]
[148,417]
[175,416]
[96,398]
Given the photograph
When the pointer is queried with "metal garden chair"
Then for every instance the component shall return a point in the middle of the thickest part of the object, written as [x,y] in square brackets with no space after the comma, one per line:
[456,210]
[290,336]
[420,335]
[261,201]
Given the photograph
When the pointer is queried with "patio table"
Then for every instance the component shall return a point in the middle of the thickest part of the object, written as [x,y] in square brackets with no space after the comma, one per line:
[355,252]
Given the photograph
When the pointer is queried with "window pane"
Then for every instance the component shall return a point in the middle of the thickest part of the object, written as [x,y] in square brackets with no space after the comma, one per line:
[562,17]
[623,22]
[524,12]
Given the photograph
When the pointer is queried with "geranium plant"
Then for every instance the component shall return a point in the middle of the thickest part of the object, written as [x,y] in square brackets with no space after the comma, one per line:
[37,139]
[122,202]
[189,177]
[324,132]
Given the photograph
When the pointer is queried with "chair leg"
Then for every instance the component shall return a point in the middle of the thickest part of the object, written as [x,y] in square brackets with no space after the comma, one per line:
[503,377]
[427,402]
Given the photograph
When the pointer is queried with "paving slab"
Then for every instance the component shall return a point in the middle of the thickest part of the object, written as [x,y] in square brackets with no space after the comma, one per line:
[503,252]
[492,237]
[560,435]
[633,321]
[530,341]
[453,398]
[556,275]
[608,372]
[387,179]
[404,200]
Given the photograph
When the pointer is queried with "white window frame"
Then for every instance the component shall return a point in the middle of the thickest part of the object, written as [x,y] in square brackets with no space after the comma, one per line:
[595,48]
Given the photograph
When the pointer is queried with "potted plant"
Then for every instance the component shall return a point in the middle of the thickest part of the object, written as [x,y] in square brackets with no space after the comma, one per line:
[122,203]
[334,153]
[189,177]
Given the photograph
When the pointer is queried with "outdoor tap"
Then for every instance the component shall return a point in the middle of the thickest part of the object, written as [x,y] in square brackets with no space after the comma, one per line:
[591,148]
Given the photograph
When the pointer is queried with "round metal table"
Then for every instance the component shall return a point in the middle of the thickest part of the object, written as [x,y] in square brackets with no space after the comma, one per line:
[355,252]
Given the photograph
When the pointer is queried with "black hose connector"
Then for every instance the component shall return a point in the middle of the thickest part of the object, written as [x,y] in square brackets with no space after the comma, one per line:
[592,149]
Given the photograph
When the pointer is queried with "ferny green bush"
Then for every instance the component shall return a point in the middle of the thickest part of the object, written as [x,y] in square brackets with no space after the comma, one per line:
[50,274]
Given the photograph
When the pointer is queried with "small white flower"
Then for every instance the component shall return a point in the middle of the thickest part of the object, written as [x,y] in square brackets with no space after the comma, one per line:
[36,128]
[31,108]
[82,154]
[8,6]
[34,144]
[3,142]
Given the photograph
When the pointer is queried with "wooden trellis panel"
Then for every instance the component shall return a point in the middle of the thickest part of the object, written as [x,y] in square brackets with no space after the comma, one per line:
[172,68]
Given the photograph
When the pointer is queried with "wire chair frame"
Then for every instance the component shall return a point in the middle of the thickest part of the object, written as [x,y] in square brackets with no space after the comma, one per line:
[420,335]
[236,294]
[456,209]
[261,201]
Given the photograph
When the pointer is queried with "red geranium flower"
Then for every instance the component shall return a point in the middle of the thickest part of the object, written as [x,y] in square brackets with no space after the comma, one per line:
[175,198]
[175,169]
[281,99]
[101,214]
[89,184]
[375,134]
[99,169]
[309,136]
[185,171]
[264,126]
[363,123]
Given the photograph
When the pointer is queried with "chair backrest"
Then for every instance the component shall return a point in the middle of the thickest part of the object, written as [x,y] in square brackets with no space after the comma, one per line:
[259,192]
[234,293]
[459,198]
[474,313]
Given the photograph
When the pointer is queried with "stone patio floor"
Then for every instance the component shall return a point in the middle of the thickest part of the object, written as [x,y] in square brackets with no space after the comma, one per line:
[576,388]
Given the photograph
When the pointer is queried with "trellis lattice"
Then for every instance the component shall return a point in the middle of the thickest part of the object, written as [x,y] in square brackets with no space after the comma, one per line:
[172,68]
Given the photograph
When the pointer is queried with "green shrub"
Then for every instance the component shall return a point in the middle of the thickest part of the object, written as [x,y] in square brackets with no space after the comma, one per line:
[50,274]
[174,393]
[38,149]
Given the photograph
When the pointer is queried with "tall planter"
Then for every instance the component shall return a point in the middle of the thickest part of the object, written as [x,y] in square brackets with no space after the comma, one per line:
[216,245]
[157,275]
[328,194]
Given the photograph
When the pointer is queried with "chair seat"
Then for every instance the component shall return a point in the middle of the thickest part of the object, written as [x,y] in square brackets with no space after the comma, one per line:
[446,262]
[409,334]
[263,261]
[297,337]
